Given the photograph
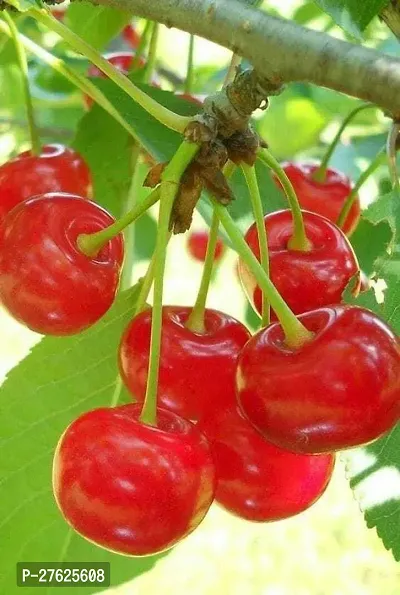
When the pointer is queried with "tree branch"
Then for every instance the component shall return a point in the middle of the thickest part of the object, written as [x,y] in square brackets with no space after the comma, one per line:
[391,15]
[279,49]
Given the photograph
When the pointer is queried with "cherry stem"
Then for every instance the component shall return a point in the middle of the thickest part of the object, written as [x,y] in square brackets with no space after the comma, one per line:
[391,149]
[299,240]
[23,66]
[170,179]
[152,55]
[74,77]
[144,38]
[195,322]
[373,166]
[155,109]
[256,202]
[91,244]
[147,282]
[126,277]
[320,174]
[295,332]
[190,70]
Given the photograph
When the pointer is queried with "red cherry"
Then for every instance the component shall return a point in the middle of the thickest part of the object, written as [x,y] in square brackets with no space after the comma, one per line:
[121,60]
[132,488]
[197,242]
[325,198]
[131,36]
[190,98]
[256,480]
[45,281]
[58,13]
[197,371]
[338,391]
[306,280]
[56,169]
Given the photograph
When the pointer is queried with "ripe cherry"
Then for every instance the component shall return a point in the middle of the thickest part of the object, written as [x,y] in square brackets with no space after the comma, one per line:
[305,279]
[58,13]
[46,282]
[131,36]
[197,242]
[191,98]
[325,198]
[56,169]
[256,480]
[340,390]
[121,60]
[197,371]
[132,488]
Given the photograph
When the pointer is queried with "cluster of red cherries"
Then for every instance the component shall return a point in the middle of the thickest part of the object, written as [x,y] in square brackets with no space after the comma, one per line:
[246,420]
[252,422]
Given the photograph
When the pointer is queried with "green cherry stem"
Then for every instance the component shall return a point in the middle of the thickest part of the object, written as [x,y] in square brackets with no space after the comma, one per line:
[252,183]
[169,188]
[155,109]
[23,66]
[152,55]
[295,332]
[147,282]
[195,322]
[373,166]
[391,149]
[320,174]
[190,71]
[144,38]
[91,244]
[129,234]
[77,79]
[299,240]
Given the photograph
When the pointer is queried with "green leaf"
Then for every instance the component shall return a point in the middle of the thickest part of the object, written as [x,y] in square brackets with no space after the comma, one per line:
[292,123]
[352,15]
[96,24]
[382,210]
[371,242]
[306,13]
[159,141]
[60,379]
[11,96]
[145,237]
[374,470]
[107,149]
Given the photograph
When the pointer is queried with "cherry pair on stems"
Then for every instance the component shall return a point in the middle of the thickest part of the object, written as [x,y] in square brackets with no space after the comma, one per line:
[307,399]
[138,490]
